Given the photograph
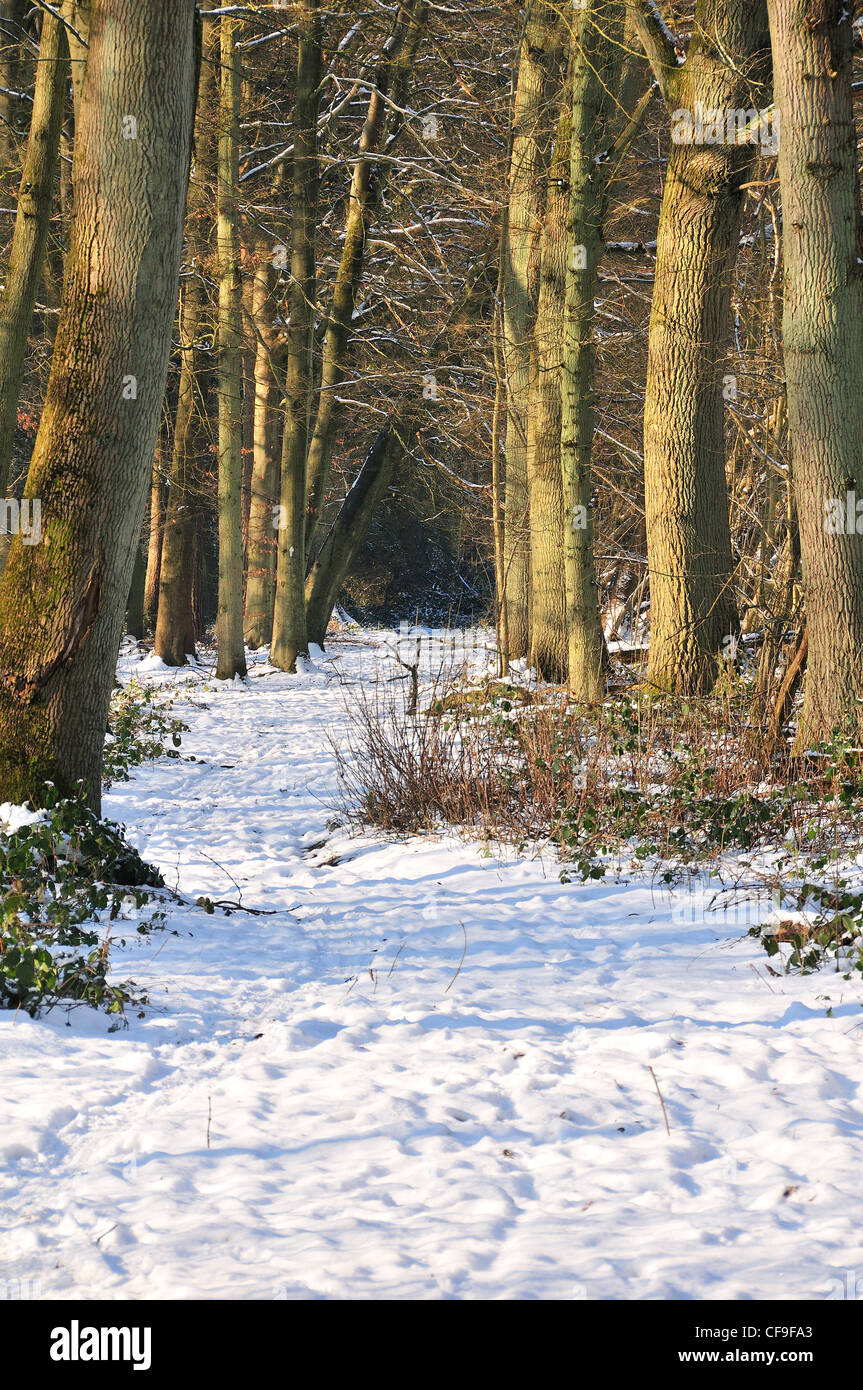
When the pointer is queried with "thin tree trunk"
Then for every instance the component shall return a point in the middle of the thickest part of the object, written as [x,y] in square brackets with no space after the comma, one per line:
[686,500]
[27,255]
[548,642]
[822,330]
[62,603]
[261,570]
[175,623]
[135,601]
[231,660]
[12,106]
[349,530]
[154,541]
[77,14]
[175,631]
[531,140]
[497,494]
[289,619]
[596,77]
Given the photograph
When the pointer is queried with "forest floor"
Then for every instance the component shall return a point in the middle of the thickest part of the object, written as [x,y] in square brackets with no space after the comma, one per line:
[320,1103]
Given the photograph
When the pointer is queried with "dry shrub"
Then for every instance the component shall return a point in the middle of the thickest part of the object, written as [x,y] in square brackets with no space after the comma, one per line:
[663,779]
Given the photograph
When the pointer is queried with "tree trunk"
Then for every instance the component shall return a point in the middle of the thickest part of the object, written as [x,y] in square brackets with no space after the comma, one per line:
[154,542]
[531,139]
[497,491]
[686,501]
[62,603]
[596,77]
[823,344]
[77,15]
[261,570]
[135,601]
[349,531]
[289,619]
[548,643]
[27,255]
[229,620]
[175,624]
[12,107]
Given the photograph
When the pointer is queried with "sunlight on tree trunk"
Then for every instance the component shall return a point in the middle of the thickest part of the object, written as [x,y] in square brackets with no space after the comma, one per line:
[62,602]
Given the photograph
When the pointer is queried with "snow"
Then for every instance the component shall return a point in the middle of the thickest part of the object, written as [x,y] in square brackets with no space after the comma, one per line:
[427,1073]
[13,817]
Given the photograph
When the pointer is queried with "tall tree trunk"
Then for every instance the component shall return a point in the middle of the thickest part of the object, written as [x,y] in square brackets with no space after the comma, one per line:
[686,501]
[823,342]
[349,530]
[231,659]
[531,141]
[33,214]
[548,643]
[497,490]
[13,106]
[261,570]
[135,601]
[154,542]
[62,602]
[596,79]
[289,619]
[175,624]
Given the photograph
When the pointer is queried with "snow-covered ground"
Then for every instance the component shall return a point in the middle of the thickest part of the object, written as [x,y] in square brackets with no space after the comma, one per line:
[320,1103]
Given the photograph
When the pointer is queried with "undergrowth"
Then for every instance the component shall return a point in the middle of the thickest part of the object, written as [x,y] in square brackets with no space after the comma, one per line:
[140,729]
[638,785]
[70,884]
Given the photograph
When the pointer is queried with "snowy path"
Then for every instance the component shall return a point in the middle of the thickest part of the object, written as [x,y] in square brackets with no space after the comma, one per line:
[379,1128]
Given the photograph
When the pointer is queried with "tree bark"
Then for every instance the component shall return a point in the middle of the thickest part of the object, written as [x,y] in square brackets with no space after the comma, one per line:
[62,603]
[823,345]
[686,502]
[231,660]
